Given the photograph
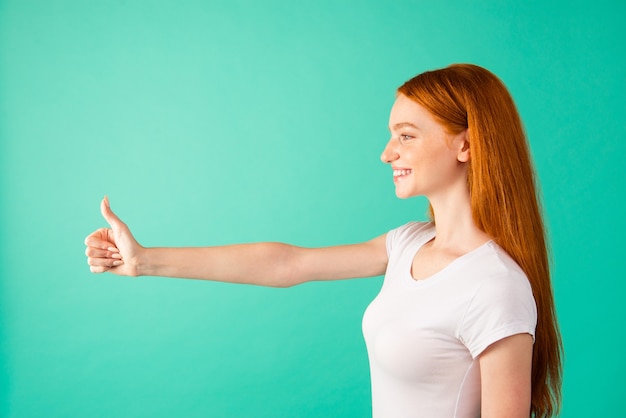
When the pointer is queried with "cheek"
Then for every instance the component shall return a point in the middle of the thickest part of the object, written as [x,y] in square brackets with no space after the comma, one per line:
[441,154]
[416,153]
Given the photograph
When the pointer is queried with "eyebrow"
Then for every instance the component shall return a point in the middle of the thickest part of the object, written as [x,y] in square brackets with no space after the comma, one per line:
[404,125]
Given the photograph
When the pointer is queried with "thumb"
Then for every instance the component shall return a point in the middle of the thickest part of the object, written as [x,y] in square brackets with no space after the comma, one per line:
[108,214]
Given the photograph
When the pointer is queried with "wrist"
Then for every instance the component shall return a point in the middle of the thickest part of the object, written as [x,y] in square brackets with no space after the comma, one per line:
[141,264]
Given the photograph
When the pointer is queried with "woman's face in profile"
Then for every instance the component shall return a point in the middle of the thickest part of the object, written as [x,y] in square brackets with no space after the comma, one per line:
[425,158]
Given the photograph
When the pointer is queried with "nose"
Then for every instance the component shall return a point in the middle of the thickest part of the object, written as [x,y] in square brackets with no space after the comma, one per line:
[389,154]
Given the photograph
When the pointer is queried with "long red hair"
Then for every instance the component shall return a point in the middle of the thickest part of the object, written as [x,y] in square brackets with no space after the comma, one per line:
[503,194]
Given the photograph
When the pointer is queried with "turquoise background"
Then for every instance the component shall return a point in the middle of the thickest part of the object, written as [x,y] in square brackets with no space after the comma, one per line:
[215,122]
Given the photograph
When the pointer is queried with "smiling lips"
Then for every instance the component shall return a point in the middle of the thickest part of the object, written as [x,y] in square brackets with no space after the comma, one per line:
[398,173]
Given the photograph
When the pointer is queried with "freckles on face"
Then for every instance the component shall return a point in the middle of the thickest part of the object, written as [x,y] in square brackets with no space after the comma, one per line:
[419,151]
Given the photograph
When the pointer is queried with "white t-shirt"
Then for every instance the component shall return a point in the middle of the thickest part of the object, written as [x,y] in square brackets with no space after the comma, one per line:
[424,337]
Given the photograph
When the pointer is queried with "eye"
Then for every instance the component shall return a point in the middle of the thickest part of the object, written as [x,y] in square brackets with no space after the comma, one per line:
[405,138]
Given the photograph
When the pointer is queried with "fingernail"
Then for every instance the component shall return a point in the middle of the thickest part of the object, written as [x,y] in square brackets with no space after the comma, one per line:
[118,262]
[116,255]
[113,250]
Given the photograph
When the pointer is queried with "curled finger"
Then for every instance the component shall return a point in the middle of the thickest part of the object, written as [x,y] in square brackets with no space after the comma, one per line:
[99,253]
[104,262]
[100,239]
[98,269]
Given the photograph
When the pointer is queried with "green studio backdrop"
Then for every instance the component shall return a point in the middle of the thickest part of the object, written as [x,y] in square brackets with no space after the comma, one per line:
[216,122]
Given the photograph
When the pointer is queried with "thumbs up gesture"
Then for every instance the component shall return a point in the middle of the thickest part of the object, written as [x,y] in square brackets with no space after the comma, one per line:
[112,249]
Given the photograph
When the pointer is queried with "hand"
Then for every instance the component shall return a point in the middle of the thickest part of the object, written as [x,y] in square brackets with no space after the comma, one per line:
[112,249]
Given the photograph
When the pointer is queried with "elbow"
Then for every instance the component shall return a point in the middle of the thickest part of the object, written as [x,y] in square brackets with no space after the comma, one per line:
[284,272]
[280,281]
[282,284]
[285,277]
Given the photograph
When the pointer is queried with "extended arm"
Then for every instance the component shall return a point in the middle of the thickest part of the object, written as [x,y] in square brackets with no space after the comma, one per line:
[268,264]
[505,371]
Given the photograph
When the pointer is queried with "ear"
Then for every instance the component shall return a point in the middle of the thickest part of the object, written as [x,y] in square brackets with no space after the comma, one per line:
[463,154]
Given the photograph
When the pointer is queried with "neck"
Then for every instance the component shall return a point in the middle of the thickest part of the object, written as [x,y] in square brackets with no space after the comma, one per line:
[454,224]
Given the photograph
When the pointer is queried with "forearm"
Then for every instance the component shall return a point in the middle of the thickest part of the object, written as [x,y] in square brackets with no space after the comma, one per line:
[115,250]
[265,264]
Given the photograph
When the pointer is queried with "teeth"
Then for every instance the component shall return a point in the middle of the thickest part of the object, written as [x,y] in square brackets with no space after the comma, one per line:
[397,173]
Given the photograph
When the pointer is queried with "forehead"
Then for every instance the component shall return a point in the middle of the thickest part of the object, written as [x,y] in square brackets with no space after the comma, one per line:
[405,110]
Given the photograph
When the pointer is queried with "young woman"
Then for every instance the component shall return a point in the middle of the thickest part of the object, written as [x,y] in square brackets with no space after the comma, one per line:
[464,324]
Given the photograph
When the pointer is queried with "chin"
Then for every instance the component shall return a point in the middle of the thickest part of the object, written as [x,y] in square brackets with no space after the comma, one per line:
[403,195]
[406,194]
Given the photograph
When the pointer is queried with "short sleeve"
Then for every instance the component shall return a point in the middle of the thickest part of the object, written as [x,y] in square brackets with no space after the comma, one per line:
[502,306]
[410,232]
[389,239]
